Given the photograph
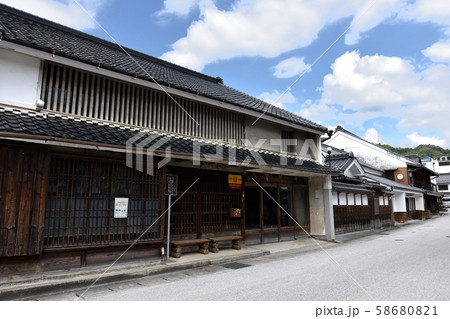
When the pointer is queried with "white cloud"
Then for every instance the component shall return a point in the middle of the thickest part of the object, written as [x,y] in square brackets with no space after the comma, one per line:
[275,98]
[367,87]
[368,15]
[373,136]
[178,7]
[437,11]
[368,83]
[438,52]
[414,139]
[67,13]
[291,67]
[254,27]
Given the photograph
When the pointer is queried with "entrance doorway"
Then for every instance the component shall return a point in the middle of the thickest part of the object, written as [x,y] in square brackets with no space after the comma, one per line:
[252,208]
[274,212]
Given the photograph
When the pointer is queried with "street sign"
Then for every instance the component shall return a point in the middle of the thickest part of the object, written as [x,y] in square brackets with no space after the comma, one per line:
[172,185]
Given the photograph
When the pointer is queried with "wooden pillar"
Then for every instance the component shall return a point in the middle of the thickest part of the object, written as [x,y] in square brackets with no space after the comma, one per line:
[278,212]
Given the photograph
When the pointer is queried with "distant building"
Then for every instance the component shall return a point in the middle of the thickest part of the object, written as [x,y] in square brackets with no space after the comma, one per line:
[443,184]
[440,165]
[414,195]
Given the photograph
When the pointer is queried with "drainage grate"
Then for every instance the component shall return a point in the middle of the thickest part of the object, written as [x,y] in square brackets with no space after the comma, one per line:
[235,265]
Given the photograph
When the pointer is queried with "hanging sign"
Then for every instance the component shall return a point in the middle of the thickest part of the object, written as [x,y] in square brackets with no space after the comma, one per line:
[120,207]
[234,181]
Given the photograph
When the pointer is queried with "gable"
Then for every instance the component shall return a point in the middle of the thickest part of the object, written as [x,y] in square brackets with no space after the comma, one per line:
[366,152]
[354,170]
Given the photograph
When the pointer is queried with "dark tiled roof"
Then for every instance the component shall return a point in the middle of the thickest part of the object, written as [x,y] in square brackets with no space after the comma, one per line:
[72,130]
[393,184]
[443,179]
[340,159]
[348,187]
[28,30]
[340,163]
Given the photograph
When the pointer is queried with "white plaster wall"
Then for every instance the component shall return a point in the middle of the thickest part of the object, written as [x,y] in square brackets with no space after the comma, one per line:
[307,144]
[19,79]
[420,205]
[261,130]
[366,152]
[434,166]
[399,202]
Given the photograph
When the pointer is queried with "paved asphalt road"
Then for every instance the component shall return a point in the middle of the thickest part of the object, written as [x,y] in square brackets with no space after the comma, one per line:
[410,263]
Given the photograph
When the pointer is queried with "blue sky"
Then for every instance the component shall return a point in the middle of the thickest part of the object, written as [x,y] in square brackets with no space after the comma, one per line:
[386,77]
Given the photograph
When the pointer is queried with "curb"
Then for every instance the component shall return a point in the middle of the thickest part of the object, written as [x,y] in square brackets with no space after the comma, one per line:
[30,288]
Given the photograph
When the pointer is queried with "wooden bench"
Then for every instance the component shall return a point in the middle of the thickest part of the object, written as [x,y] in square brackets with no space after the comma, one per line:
[175,246]
[235,240]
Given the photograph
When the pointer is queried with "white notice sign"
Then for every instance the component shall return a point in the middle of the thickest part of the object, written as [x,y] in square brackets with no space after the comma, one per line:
[121,207]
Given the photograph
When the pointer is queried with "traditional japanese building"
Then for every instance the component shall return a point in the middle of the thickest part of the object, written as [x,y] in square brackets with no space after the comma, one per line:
[359,201]
[89,132]
[408,179]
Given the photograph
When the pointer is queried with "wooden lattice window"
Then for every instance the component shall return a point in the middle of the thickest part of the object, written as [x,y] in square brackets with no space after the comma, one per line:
[80,203]
[79,93]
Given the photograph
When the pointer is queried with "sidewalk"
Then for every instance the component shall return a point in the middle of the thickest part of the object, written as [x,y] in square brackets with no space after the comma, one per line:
[21,286]
[18,287]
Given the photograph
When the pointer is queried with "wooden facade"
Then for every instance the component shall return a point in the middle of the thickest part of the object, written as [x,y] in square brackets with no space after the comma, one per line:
[205,208]
[371,212]
[23,183]
[58,208]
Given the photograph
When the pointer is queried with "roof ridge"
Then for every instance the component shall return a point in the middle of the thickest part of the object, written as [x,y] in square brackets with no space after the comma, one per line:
[340,128]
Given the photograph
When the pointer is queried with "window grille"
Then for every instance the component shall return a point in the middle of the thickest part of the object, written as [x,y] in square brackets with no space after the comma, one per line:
[80,203]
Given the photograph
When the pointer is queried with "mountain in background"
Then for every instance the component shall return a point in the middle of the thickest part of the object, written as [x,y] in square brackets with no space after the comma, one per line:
[422,150]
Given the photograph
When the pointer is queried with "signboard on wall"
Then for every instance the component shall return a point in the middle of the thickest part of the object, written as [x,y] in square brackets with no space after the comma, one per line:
[235,212]
[120,207]
[234,181]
